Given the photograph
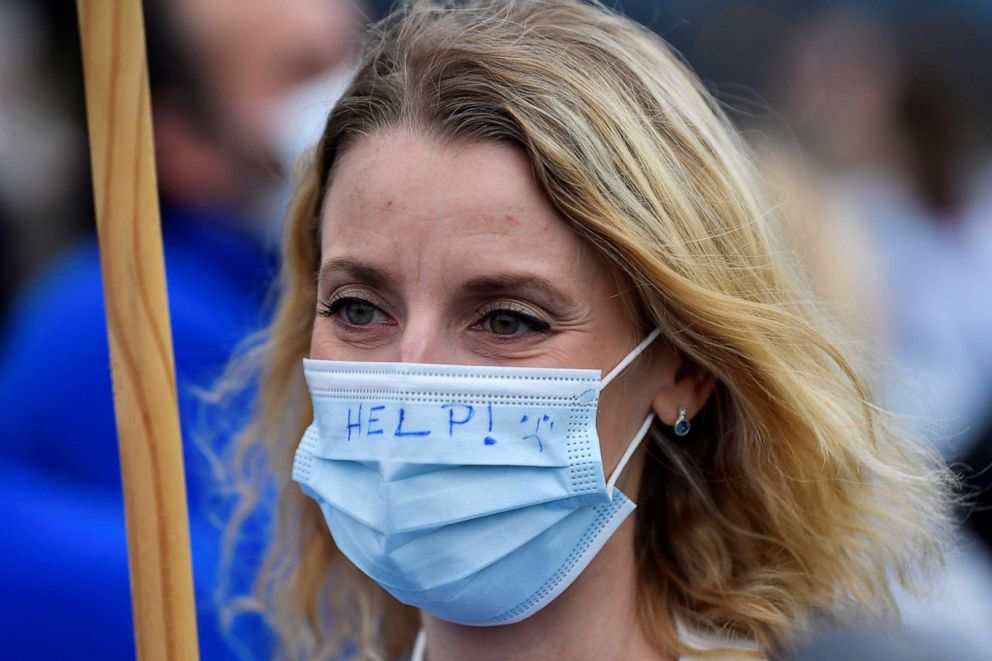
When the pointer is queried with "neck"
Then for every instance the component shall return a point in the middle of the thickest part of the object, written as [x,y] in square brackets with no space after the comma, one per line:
[595,618]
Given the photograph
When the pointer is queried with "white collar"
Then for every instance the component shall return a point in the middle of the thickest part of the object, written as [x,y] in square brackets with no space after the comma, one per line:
[696,639]
[419,646]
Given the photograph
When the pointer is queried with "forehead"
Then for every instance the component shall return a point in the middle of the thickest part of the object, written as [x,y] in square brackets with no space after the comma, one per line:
[403,197]
[430,179]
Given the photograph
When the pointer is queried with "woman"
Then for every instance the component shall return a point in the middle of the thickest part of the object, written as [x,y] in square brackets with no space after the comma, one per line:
[513,200]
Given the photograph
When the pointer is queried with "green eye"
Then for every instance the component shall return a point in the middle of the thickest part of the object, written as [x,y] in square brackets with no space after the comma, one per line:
[504,323]
[360,313]
[354,311]
[507,322]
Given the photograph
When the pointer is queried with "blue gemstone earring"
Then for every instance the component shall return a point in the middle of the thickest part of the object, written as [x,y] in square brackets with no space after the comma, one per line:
[681,426]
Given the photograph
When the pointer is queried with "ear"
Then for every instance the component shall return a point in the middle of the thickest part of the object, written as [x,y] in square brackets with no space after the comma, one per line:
[690,388]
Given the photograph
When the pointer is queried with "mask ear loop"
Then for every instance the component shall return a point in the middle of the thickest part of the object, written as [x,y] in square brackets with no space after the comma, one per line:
[646,425]
[628,453]
[629,358]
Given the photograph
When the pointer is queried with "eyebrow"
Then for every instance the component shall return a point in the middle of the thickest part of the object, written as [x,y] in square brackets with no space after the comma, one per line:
[512,282]
[490,284]
[360,271]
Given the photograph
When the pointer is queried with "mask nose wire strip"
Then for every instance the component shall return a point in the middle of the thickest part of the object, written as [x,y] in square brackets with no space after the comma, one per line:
[629,358]
[638,437]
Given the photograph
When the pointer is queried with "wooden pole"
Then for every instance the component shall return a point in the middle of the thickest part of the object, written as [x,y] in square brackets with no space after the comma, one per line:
[145,404]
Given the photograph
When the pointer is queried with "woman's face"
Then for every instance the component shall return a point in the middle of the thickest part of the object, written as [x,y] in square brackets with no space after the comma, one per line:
[437,253]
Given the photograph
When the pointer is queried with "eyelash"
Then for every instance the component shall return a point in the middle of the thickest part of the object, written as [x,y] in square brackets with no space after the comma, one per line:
[332,308]
[536,324]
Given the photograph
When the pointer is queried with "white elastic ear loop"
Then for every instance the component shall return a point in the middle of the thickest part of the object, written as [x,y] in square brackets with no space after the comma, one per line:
[628,453]
[629,358]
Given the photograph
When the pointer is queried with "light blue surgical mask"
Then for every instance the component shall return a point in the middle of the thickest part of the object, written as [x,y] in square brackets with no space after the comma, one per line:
[475,493]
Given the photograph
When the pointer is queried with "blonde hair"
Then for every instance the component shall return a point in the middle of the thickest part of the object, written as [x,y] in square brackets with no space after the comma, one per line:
[792,497]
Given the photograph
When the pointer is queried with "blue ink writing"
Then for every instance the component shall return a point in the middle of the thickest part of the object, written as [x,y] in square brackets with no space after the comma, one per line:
[370,418]
[537,430]
[369,431]
[357,424]
[540,445]
[468,413]
[399,428]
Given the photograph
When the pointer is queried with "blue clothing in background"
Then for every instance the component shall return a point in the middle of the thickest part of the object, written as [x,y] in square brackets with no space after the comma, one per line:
[63,555]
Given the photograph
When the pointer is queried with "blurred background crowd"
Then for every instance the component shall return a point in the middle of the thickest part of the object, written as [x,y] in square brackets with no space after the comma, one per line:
[871,120]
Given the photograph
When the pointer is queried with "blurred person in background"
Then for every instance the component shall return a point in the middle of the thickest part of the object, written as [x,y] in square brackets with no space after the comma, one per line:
[893,115]
[41,148]
[893,123]
[233,87]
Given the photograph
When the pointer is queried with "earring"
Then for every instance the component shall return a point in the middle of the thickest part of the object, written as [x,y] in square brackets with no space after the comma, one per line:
[681,426]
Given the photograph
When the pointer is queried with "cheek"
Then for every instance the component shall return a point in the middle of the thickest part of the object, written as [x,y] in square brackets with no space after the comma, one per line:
[323,344]
[624,405]
[611,419]
[316,344]
[327,343]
